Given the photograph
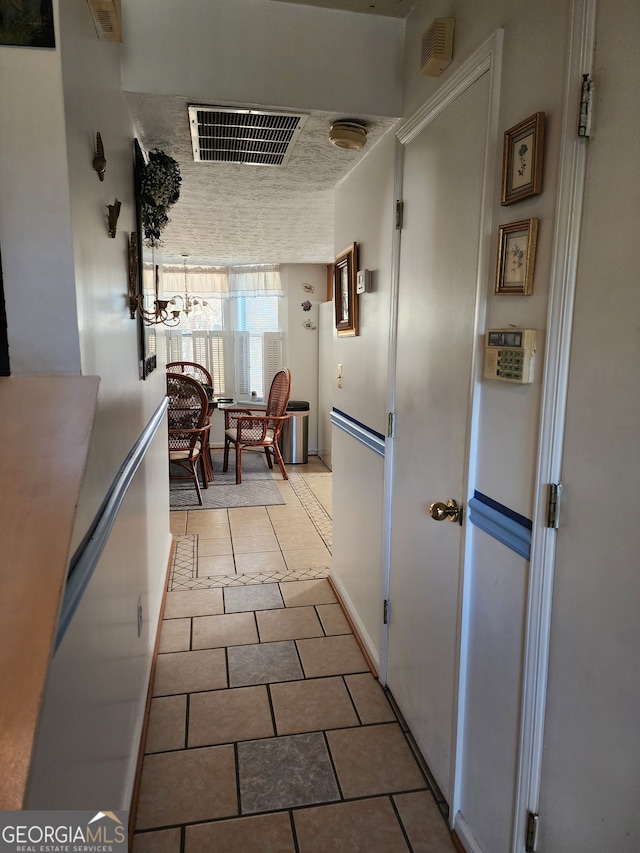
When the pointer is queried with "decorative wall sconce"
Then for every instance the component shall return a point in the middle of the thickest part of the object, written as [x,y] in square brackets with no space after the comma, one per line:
[114,213]
[99,162]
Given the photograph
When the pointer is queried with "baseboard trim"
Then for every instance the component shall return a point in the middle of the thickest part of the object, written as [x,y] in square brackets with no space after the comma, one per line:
[464,836]
[356,633]
[457,843]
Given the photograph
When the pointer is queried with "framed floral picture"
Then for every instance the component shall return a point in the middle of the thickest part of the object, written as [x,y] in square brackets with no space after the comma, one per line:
[516,257]
[522,159]
[345,298]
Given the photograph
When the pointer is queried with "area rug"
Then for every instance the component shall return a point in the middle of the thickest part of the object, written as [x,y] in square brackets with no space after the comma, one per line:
[256,489]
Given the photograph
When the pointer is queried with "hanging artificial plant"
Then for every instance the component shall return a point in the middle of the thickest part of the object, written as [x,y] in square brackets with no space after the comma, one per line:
[158,190]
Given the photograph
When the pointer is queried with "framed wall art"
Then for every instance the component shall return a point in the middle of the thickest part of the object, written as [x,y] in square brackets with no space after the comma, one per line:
[28,23]
[141,283]
[516,257]
[522,159]
[345,298]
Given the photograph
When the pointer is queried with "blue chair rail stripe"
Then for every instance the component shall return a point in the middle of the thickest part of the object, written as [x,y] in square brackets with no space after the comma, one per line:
[502,523]
[362,433]
[87,555]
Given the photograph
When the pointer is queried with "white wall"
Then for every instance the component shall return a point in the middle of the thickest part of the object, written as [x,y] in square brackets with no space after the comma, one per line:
[491,738]
[358,476]
[86,751]
[591,775]
[278,54]
[326,378]
[302,343]
[365,211]
[35,219]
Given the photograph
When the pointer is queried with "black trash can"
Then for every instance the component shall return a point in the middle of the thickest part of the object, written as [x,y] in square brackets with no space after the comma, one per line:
[294,438]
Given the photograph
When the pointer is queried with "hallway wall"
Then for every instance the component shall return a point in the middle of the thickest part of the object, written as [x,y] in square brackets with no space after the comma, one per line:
[590,780]
[256,52]
[56,253]
[534,43]
[35,216]
[365,210]
[591,764]
[66,282]
[302,343]
[326,378]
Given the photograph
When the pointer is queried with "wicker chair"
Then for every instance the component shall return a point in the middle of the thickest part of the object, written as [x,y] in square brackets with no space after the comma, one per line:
[188,417]
[192,369]
[200,374]
[248,431]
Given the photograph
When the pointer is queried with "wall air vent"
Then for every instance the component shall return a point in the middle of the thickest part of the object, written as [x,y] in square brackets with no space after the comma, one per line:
[437,47]
[107,19]
[256,137]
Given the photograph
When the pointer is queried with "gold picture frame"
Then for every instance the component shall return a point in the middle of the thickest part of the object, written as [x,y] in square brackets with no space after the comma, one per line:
[345,298]
[522,159]
[517,257]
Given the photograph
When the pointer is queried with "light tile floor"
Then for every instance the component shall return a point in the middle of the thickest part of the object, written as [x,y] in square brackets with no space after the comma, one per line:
[267,730]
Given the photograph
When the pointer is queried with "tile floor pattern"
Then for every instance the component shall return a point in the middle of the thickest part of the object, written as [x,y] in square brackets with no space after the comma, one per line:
[249,545]
[267,730]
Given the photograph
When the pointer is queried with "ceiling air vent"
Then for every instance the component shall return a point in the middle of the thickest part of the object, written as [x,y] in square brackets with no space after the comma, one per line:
[106,19]
[230,135]
[437,47]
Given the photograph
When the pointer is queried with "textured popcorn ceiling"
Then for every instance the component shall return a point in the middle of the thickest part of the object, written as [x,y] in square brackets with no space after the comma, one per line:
[234,214]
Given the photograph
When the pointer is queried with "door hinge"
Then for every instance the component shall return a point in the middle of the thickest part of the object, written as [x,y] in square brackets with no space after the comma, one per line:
[399,215]
[586,107]
[391,425]
[386,612]
[532,832]
[554,493]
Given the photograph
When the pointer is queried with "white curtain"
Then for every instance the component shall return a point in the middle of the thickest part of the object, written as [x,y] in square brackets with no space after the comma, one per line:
[259,280]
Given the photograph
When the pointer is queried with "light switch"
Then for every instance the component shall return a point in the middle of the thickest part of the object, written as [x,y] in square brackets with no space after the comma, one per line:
[339,376]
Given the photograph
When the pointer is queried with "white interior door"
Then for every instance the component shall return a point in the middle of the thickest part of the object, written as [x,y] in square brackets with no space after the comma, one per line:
[443,196]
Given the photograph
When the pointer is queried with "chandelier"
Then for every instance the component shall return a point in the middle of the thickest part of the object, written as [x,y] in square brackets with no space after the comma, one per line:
[187,302]
[164,312]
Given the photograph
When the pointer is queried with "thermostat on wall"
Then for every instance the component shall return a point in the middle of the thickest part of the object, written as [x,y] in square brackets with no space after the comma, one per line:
[363,281]
[510,355]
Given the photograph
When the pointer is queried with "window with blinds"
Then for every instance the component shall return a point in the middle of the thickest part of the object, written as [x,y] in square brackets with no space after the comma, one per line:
[257,317]
[242,349]
[229,357]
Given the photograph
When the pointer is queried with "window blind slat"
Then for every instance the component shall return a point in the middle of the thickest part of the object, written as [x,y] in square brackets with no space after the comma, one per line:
[242,356]
[271,357]
[216,361]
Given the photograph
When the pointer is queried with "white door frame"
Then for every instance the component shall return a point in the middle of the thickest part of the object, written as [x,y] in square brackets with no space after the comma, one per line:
[573,156]
[486,59]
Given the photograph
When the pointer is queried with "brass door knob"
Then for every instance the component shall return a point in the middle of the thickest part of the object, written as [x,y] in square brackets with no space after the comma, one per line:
[451,511]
